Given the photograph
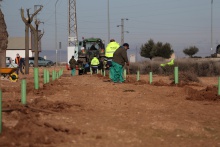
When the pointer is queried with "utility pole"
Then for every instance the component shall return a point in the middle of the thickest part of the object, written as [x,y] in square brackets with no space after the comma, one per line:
[56,30]
[136,55]
[211,26]
[108,23]
[72,30]
[122,30]
[27,22]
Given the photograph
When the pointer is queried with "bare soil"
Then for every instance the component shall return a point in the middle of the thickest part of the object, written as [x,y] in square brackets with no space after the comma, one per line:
[88,110]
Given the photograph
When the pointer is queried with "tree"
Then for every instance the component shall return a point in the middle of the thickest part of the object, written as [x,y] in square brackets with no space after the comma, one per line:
[192,50]
[151,50]
[3,39]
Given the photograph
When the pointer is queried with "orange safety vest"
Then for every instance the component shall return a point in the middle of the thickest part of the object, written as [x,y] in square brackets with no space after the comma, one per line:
[17,60]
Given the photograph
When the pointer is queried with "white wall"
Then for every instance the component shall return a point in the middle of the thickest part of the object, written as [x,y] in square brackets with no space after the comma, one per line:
[132,58]
[12,53]
[71,52]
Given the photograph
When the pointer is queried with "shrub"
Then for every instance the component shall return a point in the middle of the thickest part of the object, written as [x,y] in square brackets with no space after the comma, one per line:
[199,67]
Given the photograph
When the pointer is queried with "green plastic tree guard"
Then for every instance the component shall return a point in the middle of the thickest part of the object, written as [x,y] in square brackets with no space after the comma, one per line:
[45,76]
[0,111]
[125,74]
[23,92]
[176,76]
[151,77]
[36,78]
[218,85]
[138,75]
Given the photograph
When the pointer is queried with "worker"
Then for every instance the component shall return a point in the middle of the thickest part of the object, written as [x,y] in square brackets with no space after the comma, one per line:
[17,59]
[94,64]
[72,63]
[110,49]
[169,63]
[120,57]
[20,62]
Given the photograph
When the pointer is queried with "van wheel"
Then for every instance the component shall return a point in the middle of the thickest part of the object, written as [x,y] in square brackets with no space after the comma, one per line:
[48,65]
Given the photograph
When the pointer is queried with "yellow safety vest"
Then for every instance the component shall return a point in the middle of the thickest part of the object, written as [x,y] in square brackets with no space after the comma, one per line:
[169,63]
[111,48]
[95,62]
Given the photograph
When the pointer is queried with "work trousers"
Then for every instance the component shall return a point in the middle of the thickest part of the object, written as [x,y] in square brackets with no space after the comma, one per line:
[73,72]
[117,72]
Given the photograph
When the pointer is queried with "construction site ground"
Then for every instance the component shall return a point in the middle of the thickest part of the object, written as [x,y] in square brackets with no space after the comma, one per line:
[88,110]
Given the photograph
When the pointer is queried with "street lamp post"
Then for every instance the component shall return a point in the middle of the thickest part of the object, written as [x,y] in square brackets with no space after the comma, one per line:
[108,23]
[56,30]
[122,30]
[211,25]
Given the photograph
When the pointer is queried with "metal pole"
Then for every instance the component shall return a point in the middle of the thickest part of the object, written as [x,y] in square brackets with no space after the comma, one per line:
[211,25]
[56,29]
[122,31]
[108,23]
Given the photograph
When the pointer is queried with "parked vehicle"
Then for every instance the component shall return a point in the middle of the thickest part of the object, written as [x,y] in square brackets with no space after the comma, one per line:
[90,47]
[8,61]
[41,62]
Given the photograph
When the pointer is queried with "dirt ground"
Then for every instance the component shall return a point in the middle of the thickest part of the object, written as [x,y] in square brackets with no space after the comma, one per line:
[88,110]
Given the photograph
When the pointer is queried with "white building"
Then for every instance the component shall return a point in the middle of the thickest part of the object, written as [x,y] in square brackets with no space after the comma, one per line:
[17,45]
[132,58]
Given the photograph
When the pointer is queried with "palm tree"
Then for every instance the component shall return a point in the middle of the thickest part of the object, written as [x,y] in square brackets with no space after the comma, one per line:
[3,39]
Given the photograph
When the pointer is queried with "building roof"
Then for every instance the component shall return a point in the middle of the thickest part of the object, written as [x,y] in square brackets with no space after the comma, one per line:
[16,43]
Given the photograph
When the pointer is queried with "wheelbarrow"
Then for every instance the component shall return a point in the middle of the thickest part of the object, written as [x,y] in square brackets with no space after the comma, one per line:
[9,73]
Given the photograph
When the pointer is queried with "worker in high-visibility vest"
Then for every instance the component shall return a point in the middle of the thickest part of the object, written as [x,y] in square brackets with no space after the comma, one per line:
[169,63]
[20,63]
[109,51]
[94,64]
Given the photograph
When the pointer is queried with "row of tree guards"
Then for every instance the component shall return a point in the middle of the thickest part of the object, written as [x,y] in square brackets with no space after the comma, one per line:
[176,76]
[46,79]
[56,75]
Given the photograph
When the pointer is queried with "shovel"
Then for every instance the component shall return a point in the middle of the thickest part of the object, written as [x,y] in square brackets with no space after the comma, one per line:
[128,73]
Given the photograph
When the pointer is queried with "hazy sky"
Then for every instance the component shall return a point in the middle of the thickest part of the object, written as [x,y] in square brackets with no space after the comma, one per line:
[181,23]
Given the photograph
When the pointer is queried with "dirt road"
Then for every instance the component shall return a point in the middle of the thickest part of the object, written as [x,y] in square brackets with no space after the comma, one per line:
[87,110]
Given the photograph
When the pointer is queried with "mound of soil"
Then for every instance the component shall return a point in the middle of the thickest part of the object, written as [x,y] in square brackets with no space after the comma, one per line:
[186,77]
[160,83]
[210,93]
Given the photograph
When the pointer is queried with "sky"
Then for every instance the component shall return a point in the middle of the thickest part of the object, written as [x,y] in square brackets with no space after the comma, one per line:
[180,23]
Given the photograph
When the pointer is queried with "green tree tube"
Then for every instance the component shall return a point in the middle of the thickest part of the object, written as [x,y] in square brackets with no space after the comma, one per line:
[176,76]
[60,73]
[45,76]
[138,75]
[91,71]
[23,92]
[53,75]
[0,111]
[218,85]
[104,73]
[101,72]
[48,76]
[36,78]
[151,77]
[125,74]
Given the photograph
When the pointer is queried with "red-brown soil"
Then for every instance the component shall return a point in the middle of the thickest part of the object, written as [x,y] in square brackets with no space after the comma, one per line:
[88,110]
